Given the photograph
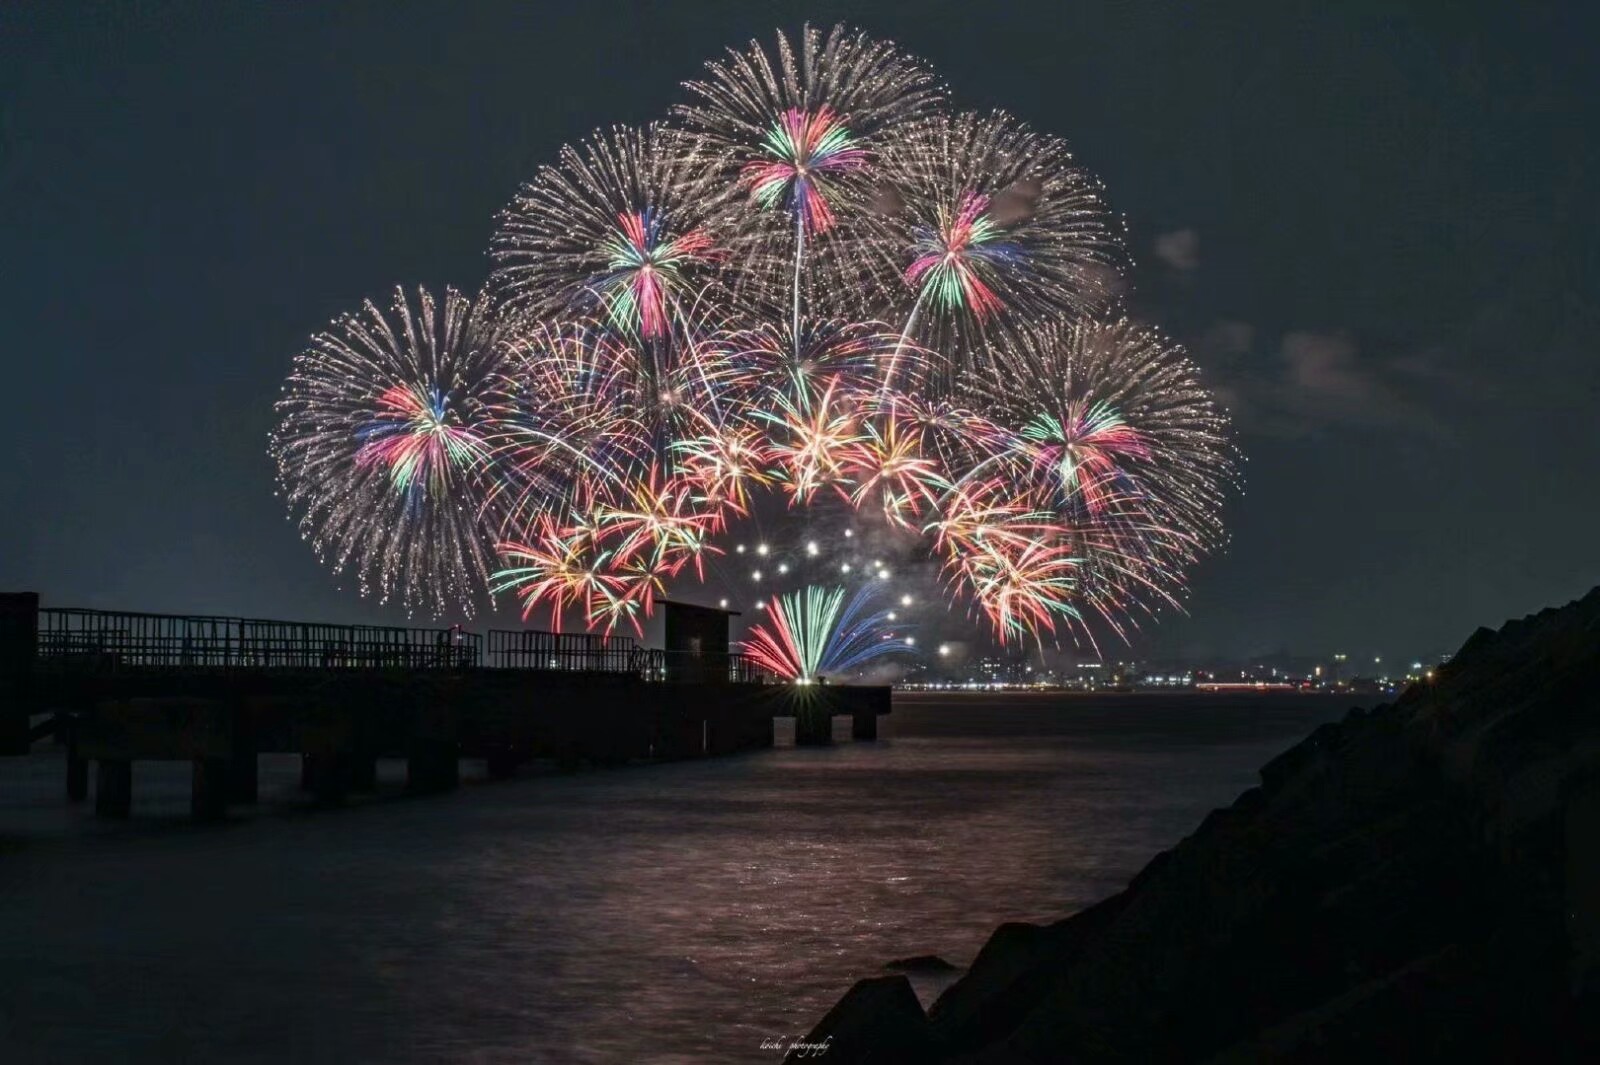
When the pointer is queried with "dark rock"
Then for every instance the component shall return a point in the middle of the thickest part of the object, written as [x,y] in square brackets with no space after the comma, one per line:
[1417,882]
[922,963]
[879,1020]
[1010,975]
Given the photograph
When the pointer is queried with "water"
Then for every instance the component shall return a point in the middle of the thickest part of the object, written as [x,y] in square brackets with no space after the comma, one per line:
[671,913]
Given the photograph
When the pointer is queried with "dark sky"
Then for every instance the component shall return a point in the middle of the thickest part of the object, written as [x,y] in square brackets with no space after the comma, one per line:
[1378,230]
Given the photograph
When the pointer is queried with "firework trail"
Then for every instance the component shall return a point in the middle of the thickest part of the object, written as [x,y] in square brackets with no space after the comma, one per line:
[380,452]
[814,633]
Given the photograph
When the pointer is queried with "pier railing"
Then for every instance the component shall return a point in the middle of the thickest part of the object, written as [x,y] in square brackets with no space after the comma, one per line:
[75,640]
[565,651]
[106,640]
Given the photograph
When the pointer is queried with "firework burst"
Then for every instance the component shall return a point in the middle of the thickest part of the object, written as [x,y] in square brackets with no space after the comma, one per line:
[798,130]
[997,229]
[1104,444]
[815,633]
[620,228]
[380,450]
[817,286]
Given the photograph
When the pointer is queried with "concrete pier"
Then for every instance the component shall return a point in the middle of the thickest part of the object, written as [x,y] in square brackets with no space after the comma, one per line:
[219,692]
[113,787]
[433,765]
[208,795]
[77,774]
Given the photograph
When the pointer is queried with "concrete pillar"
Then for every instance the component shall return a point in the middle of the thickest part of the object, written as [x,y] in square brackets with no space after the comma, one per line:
[244,771]
[113,787]
[813,727]
[19,646]
[364,772]
[208,795]
[328,776]
[502,763]
[432,765]
[864,725]
[77,773]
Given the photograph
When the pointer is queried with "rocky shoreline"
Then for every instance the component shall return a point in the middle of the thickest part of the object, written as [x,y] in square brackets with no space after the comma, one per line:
[1417,882]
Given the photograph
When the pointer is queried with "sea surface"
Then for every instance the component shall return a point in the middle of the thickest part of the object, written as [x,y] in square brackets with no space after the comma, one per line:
[688,912]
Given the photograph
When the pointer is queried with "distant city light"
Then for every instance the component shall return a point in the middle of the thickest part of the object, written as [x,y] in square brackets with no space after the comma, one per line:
[755,576]
[944,648]
[783,567]
[911,641]
[849,533]
[845,568]
[905,600]
[811,548]
[722,603]
[761,549]
[739,549]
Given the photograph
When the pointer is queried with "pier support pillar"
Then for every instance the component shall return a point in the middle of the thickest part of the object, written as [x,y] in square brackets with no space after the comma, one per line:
[502,763]
[19,644]
[113,787]
[208,795]
[364,772]
[328,777]
[813,728]
[77,774]
[864,725]
[432,765]
[244,773]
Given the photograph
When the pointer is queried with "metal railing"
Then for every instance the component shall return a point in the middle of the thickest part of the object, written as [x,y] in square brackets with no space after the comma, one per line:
[108,641]
[579,652]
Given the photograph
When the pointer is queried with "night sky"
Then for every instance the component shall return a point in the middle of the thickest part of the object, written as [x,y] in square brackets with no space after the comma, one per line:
[1378,232]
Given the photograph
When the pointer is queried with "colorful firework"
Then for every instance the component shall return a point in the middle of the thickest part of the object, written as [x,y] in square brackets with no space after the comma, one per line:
[846,357]
[380,447]
[672,345]
[619,228]
[805,153]
[998,230]
[814,633]
[1108,420]
[889,463]
[799,128]
[569,568]
[1105,445]
[812,443]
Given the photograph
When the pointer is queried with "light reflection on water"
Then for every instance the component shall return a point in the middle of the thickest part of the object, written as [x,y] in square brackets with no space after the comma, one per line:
[671,913]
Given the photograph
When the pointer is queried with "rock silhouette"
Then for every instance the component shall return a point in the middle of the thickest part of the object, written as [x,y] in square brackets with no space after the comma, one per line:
[1420,882]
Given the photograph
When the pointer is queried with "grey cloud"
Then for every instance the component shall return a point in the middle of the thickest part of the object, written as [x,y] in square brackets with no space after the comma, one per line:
[1180,250]
[1318,382]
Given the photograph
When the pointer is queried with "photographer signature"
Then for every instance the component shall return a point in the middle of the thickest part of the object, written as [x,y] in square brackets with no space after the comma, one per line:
[799,1048]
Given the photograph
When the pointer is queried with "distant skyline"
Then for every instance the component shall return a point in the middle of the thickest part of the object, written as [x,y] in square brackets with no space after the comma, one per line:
[1373,226]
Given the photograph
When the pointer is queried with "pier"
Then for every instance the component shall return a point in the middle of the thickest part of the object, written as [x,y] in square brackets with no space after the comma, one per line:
[118,688]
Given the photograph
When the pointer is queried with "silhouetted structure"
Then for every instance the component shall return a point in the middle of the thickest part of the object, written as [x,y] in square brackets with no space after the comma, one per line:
[119,687]
[696,639]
